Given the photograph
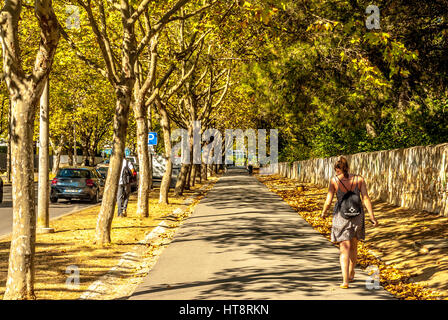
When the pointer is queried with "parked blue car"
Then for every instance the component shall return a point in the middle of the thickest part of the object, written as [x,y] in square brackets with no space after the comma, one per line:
[83,183]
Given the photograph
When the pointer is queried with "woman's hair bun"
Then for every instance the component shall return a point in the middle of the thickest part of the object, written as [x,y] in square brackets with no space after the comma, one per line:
[342,165]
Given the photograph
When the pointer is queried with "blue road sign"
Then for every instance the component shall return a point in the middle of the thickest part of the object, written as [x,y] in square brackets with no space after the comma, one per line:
[152,138]
[127,152]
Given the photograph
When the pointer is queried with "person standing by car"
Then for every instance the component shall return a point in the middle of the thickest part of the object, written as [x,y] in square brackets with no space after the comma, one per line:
[124,188]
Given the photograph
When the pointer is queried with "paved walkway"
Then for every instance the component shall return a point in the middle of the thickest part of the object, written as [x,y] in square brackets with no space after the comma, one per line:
[244,242]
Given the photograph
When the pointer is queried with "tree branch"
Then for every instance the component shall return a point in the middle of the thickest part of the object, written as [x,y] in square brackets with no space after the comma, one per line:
[110,68]
[49,39]
[80,55]
[164,20]
[187,16]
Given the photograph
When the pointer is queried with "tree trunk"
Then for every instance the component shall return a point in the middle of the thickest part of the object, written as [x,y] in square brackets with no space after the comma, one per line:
[181,179]
[188,182]
[20,283]
[185,168]
[24,91]
[92,154]
[57,151]
[70,156]
[8,152]
[193,175]
[190,166]
[75,148]
[106,214]
[198,173]
[204,172]
[57,161]
[166,180]
[85,154]
[143,122]
[210,169]
[43,214]
[143,160]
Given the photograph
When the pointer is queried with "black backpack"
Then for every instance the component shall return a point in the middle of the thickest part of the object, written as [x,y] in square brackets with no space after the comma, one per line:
[350,205]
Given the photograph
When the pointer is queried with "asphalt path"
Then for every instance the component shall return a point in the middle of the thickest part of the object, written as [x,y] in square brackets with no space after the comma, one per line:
[56,209]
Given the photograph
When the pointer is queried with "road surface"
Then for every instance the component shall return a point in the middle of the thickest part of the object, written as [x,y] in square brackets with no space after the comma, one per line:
[56,209]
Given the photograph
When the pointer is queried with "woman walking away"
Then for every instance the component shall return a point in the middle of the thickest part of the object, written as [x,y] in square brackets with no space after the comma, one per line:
[348,216]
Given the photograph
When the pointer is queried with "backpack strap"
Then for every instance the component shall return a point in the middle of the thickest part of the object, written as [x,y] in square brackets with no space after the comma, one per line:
[346,190]
[353,182]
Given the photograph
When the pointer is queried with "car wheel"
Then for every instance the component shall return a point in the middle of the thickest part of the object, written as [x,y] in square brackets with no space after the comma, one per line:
[53,199]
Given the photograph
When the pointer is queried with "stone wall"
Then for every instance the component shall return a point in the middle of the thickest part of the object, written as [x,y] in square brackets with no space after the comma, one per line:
[414,178]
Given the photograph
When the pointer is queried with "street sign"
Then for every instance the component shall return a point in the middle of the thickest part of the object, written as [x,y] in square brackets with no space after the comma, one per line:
[127,152]
[152,138]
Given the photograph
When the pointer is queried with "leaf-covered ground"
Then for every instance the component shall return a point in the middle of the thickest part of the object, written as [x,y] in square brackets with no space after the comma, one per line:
[72,245]
[407,247]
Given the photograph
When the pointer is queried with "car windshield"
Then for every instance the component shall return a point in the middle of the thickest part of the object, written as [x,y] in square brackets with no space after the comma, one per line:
[74,173]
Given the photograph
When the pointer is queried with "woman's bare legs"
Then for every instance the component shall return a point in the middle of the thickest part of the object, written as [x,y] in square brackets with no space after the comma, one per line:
[344,258]
[353,257]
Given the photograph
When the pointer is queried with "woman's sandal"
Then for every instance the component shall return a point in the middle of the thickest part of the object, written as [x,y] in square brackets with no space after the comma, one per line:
[344,286]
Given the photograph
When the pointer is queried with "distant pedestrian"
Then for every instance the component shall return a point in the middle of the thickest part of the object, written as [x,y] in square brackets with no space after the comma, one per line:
[348,216]
[250,167]
[124,188]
